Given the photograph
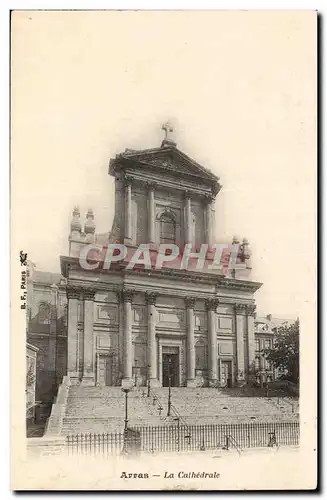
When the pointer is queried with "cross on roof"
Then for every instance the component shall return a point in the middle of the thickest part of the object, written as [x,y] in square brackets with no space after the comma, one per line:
[167,127]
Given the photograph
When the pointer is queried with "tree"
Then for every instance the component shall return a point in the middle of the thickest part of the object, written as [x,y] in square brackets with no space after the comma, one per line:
[285,351]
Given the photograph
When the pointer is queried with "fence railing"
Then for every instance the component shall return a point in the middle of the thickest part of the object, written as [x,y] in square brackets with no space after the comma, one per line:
[175,438]
[95,444]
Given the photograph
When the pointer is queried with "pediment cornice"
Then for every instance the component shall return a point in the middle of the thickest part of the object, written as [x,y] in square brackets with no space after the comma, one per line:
[168,159]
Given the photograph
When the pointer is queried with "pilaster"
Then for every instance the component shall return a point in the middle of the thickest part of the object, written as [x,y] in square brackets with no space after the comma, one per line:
[88,362]
[208,221]
[211,306]
[128,210]
[73,296]
[188,217]
[151,213]
[250,311]
[127,297]
[152,349]
[190,347]
[240,310]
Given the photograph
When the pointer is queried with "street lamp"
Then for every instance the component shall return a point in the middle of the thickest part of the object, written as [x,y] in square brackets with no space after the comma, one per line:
[149,384]
[169,386]
[177,419]
[126,391]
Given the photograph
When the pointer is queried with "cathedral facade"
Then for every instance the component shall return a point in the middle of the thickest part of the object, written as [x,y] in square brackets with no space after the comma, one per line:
[174,325]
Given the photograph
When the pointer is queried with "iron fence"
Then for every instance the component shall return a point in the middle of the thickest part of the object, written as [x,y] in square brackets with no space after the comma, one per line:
[95,444]
[179,438]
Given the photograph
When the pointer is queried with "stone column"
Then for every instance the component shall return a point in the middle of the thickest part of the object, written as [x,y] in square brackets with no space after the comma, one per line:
[128,209]
[88,361]
[127,296]
[188,219]
[73,295]
[151,213]
[239,313]
[190,345]
[250,311]
[152,352]
[211,306]
[208,222]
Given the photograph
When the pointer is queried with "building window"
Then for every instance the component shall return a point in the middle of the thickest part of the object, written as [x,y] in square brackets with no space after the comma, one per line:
[44,313]
[257,345]
[268,344]
[257,363]
[167,229]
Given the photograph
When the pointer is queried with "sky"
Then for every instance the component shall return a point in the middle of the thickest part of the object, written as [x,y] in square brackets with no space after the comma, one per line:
[240,90]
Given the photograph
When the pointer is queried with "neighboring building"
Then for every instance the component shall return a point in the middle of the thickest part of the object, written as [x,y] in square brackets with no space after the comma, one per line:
[31,354]
[47,329]
[265,331]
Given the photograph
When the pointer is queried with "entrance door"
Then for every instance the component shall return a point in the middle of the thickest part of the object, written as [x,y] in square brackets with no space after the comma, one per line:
[226,373]
[170,370]
[108,371]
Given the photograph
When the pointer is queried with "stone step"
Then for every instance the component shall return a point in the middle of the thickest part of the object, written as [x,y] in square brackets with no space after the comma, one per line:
[102,409]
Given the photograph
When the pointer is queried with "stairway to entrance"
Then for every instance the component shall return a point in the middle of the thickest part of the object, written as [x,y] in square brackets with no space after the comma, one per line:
[212,406]
[102,409]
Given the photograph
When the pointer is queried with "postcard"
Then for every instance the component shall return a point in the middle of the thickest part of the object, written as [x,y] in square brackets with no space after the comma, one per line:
[163,250]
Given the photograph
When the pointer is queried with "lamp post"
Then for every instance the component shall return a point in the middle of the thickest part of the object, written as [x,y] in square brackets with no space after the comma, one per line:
[169,386]
[177,419]
[126,391]
[149,384]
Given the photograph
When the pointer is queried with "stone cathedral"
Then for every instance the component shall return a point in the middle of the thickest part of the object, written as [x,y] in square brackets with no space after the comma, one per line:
[186,327]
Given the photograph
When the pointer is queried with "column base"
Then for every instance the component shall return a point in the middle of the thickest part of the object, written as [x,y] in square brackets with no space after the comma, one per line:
[213,382]
[154,382]
[127,383]
[191,383]
[74,378]
[88,380]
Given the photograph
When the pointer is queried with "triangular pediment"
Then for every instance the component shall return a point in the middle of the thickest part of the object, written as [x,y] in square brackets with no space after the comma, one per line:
[171,159]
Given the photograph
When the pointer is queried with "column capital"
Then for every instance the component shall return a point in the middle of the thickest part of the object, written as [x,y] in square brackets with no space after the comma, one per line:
[190,302]
[211,304]
[127,295]
[88,293]
[151,298]
[251,309]
[128,181]
[73,292]
[208,198]
[151,185]
[240,308]
[187,195]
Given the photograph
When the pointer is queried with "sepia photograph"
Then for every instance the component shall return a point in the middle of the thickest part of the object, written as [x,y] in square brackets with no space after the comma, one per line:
[163,250]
